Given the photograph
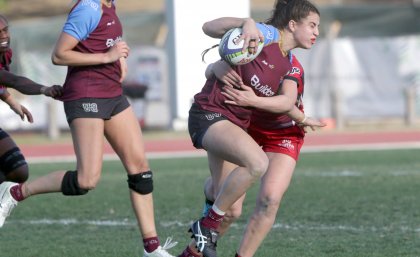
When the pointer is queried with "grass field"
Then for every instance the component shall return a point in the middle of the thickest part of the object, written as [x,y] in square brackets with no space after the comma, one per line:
[363,203]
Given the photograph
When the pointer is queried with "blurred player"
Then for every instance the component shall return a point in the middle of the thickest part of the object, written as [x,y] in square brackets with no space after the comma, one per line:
[92,47]
[13,166]
[219,128]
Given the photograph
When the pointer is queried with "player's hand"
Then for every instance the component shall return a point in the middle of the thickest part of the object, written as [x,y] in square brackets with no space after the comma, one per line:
[251,36]
[22,112]
[224,72]
[124,68]
[117,51]
[53,91]
[311,123]
[244,96]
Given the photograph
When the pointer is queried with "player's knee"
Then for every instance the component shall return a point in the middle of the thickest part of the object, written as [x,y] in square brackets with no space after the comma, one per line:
[70,184]
[19,175]
[258,166]
[14,166]
[268,205]
[141,183]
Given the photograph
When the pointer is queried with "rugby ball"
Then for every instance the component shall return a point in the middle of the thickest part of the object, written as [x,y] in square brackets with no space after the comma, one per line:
[232,52]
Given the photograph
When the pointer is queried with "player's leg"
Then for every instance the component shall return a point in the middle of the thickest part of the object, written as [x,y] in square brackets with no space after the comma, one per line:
[273,186]
[220,170]
[221,139]
[87,134]
[88,142]
[124,134]
[13,166]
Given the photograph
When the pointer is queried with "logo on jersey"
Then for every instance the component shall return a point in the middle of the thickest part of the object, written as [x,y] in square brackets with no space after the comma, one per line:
[271,66]
[294,70]
[110,23]
[270,34]
[90,3]
[111,42]
[90,107]
[286,143]
[212,116]
[263,89]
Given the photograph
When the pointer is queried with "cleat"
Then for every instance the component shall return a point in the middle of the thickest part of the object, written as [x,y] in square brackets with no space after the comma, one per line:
[7,202]
[205,239]
[161,250]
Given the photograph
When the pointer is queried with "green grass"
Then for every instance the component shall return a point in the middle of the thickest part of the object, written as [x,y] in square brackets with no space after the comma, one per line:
[339,204]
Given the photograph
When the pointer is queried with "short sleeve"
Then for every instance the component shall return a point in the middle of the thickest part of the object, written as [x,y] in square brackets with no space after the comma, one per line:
[83,19]
[270,33]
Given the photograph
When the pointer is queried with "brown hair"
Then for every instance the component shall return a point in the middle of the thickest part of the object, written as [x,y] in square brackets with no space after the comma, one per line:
[287,10]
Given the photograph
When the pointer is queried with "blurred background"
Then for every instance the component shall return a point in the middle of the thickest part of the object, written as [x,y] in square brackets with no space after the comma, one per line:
[364,70]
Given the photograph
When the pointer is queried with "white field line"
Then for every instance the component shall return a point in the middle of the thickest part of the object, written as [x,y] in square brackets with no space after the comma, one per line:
[176,224]
[202,153]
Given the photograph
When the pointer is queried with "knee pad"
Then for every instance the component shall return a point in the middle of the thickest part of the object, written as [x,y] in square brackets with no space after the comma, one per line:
[142,183]
[11,160]
[70,185]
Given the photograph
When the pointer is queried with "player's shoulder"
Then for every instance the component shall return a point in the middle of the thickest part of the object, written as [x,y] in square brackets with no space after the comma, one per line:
[87,7]
[270,33]
[295,62]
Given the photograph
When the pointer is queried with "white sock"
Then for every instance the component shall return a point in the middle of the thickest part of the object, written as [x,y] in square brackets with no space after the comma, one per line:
[218,211]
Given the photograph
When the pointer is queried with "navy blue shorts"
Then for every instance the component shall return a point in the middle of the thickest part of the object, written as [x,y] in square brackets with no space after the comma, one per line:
[101,108]
[199,121]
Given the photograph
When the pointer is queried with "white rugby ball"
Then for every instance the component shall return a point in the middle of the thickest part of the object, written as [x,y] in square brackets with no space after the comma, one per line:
[232,52]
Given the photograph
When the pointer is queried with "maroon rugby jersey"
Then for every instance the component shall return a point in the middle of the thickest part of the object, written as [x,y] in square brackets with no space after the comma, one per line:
[98,81]
[267,122]
[263,74]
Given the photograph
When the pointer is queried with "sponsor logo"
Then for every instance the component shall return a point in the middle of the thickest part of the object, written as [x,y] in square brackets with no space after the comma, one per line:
[286,143]
[90,3]
[295,70]
[236,39]
[110,23]
[263,89]
[111,42]
[270,34]
[90,107]
[271,66]
[212,116]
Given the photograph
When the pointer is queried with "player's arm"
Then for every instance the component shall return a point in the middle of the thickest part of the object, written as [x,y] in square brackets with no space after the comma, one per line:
[281,104]
[64,54]
[15,106]
[250,32]
[245,96]
[27,86]
[225,73]
[82,21]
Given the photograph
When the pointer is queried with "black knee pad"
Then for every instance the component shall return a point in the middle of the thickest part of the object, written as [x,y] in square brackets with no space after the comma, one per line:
[142,183]
[70,185]
[11,160]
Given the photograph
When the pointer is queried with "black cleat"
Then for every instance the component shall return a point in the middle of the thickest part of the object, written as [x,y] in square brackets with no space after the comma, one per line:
[205,239]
